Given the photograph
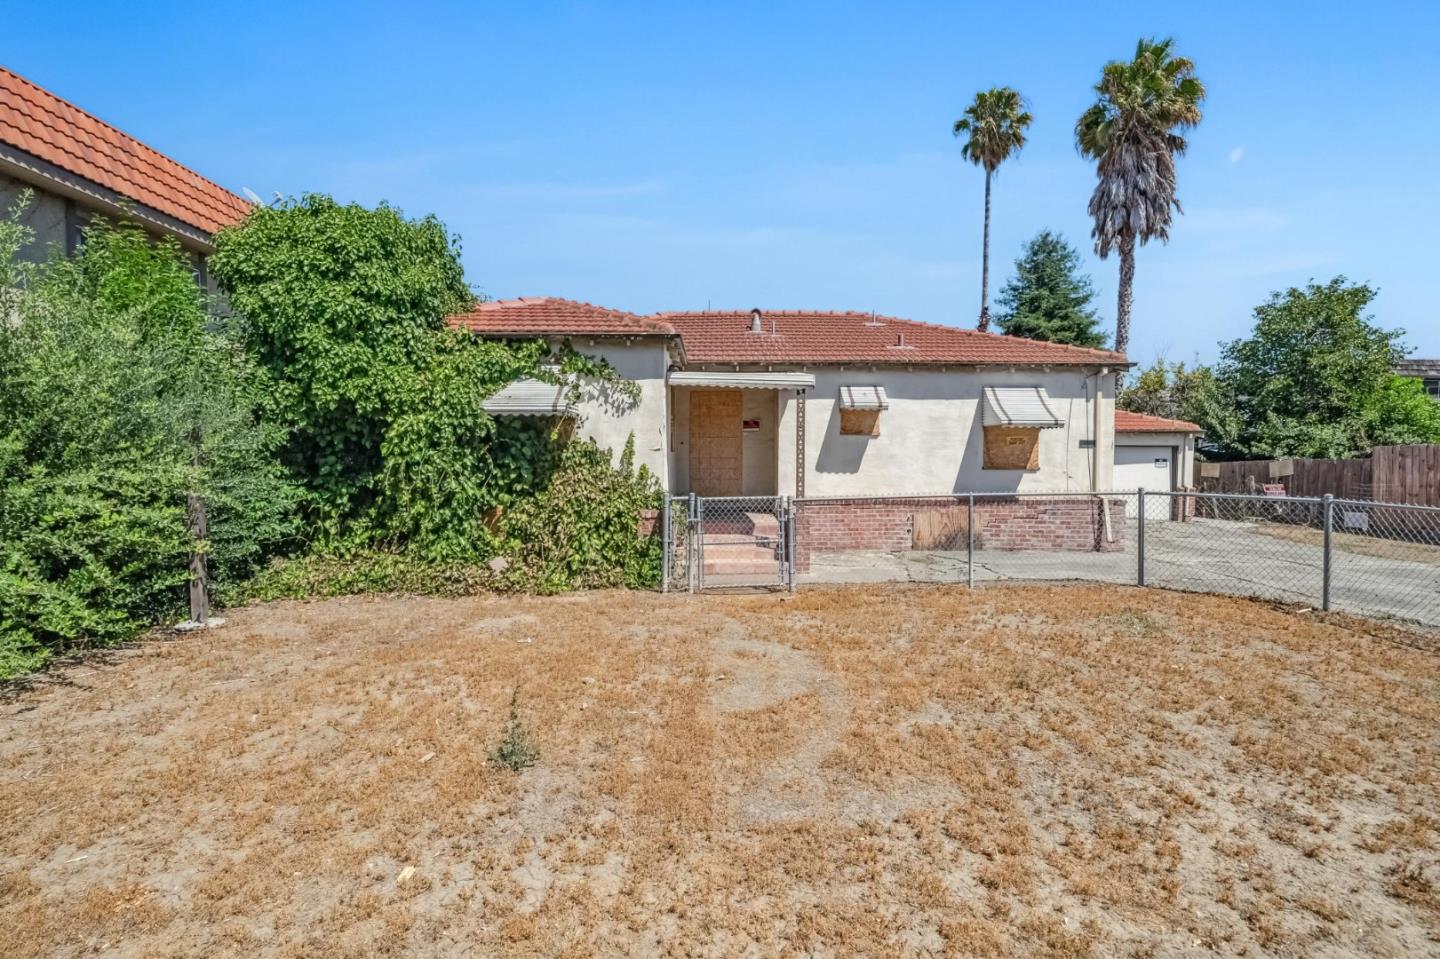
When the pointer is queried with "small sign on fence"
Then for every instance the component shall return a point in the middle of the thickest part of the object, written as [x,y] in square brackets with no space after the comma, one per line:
[1273,489]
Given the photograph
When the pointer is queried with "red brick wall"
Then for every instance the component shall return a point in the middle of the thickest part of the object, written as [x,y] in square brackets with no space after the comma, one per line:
[1018,523]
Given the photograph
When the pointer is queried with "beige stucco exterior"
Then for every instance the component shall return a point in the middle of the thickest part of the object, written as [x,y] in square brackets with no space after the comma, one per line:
[610,419]
[1182,446]
[930,439]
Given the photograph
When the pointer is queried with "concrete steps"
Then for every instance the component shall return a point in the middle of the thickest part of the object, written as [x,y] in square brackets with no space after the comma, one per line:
[748,546]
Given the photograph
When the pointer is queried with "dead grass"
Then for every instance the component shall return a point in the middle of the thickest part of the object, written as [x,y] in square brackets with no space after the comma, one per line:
[1047,771]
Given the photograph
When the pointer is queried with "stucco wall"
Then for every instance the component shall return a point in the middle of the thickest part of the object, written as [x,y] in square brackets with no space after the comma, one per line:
[758,448]
[609,419]
[1183,444]
[931,439]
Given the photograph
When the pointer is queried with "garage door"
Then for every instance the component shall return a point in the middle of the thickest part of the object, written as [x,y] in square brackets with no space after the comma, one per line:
[1150,467]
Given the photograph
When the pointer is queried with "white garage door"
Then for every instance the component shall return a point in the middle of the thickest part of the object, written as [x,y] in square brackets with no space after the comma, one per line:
[1150,467]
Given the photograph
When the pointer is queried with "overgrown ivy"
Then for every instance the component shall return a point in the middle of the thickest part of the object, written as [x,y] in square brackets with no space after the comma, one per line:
[383,406]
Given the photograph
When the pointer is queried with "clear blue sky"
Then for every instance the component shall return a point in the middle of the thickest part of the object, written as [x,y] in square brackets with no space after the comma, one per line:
[671,156]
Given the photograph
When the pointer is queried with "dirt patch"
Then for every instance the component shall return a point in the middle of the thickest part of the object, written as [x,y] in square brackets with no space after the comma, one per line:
[1060,771]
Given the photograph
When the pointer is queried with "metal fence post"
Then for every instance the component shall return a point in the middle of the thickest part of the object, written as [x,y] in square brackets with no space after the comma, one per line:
[665,545]
[790,542]
[1328,505]
[970,540]
[691,572]
[1140,538]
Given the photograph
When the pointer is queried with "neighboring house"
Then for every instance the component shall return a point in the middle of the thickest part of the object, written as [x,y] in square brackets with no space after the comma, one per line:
[1426,371]
[78,166]
[828,404]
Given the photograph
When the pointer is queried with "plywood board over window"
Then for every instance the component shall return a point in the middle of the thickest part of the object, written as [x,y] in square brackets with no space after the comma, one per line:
[1012,448]
[859,422]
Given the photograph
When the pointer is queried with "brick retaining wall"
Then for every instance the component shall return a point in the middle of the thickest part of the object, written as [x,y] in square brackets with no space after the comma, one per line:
[1013,523]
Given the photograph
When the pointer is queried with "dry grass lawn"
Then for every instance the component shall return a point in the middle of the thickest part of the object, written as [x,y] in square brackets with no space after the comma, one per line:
[1048,771]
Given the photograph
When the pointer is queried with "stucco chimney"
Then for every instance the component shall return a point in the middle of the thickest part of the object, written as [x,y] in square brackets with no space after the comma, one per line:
[757,324]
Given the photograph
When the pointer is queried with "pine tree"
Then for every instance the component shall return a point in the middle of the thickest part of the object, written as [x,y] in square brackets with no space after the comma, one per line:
[1048,298]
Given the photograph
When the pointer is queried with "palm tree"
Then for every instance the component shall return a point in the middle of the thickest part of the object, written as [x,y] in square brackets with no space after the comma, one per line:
[1132,131]
[995,124]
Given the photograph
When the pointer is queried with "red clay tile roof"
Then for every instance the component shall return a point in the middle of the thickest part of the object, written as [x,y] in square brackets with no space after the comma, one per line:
[1128,422]
[541,315]
[817,337]
[45,126]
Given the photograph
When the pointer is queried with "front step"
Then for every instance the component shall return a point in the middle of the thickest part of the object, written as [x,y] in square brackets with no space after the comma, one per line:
[731,557]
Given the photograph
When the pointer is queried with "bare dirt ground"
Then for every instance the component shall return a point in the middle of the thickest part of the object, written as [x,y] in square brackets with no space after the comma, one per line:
[1019,770]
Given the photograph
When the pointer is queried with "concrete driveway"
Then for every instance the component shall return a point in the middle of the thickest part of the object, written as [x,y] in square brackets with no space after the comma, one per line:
[1206,555]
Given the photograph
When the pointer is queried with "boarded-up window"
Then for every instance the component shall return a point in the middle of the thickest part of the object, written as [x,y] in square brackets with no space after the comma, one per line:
[1012,448]
[859,422]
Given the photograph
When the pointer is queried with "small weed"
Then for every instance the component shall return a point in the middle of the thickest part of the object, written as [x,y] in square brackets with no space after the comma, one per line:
[515,751]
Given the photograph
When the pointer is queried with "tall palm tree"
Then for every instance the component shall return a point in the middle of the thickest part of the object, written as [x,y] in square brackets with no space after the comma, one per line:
[1132,130]
[995,126]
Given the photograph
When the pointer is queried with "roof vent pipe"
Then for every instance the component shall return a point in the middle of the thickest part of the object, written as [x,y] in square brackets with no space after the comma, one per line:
[756,321]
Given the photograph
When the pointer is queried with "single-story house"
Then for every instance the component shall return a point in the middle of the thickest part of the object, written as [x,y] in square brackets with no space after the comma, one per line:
[77,166]
[833,404]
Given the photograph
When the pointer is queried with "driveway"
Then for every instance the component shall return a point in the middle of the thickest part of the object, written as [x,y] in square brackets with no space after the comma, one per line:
[1206,555]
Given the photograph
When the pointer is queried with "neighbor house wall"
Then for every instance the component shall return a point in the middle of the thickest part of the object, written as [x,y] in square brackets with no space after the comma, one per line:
[609,418]
[931,439]
[57,222]
[48,216]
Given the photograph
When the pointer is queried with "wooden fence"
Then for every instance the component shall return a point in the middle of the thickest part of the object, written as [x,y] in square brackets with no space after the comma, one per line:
[1392,474]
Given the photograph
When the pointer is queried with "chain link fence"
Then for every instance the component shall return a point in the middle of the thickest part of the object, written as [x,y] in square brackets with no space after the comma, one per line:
[727,541]
[1374,559]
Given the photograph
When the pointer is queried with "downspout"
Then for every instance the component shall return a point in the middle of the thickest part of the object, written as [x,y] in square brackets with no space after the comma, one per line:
[1095,463]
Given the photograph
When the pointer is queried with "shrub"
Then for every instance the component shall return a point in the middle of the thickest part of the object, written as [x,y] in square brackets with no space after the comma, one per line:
[118,400]
[582,530]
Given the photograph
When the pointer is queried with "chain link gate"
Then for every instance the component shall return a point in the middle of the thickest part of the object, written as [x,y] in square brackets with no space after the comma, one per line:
[719,541]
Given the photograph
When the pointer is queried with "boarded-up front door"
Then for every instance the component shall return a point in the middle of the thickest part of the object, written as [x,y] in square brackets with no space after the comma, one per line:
[715,442]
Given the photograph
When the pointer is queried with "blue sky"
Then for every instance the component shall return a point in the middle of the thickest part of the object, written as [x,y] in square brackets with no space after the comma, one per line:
[673,156]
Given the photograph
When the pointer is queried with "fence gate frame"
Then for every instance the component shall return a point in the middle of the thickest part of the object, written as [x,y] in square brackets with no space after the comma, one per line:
[734,529]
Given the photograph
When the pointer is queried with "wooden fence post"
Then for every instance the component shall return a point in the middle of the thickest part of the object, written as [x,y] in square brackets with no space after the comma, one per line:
[199,574]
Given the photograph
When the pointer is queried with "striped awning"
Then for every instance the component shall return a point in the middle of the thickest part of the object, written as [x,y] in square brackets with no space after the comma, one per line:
[743,381]
[1019,406]
[530,397]
[863,398]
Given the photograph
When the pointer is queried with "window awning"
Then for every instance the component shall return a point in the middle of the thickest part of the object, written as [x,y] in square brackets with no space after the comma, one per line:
[1019,406]
[530,397]
[863,398]
[743,381]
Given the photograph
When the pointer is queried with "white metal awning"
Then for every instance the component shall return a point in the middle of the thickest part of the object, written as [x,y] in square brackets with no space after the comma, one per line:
[743,381]
[1019,406]
[530,397]
[863,398]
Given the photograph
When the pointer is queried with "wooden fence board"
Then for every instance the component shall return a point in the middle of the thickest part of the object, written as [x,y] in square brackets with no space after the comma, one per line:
[1392,474]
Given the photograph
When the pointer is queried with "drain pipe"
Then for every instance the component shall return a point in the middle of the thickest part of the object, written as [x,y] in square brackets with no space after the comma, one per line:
[1095,460]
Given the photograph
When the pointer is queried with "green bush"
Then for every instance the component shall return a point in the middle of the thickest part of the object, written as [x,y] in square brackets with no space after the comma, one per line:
[582,530]
[119,400]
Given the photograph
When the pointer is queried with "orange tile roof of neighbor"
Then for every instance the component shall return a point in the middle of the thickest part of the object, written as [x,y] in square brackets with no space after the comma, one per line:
[847,337]
[58,132]
[1128,422]
[542,315]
